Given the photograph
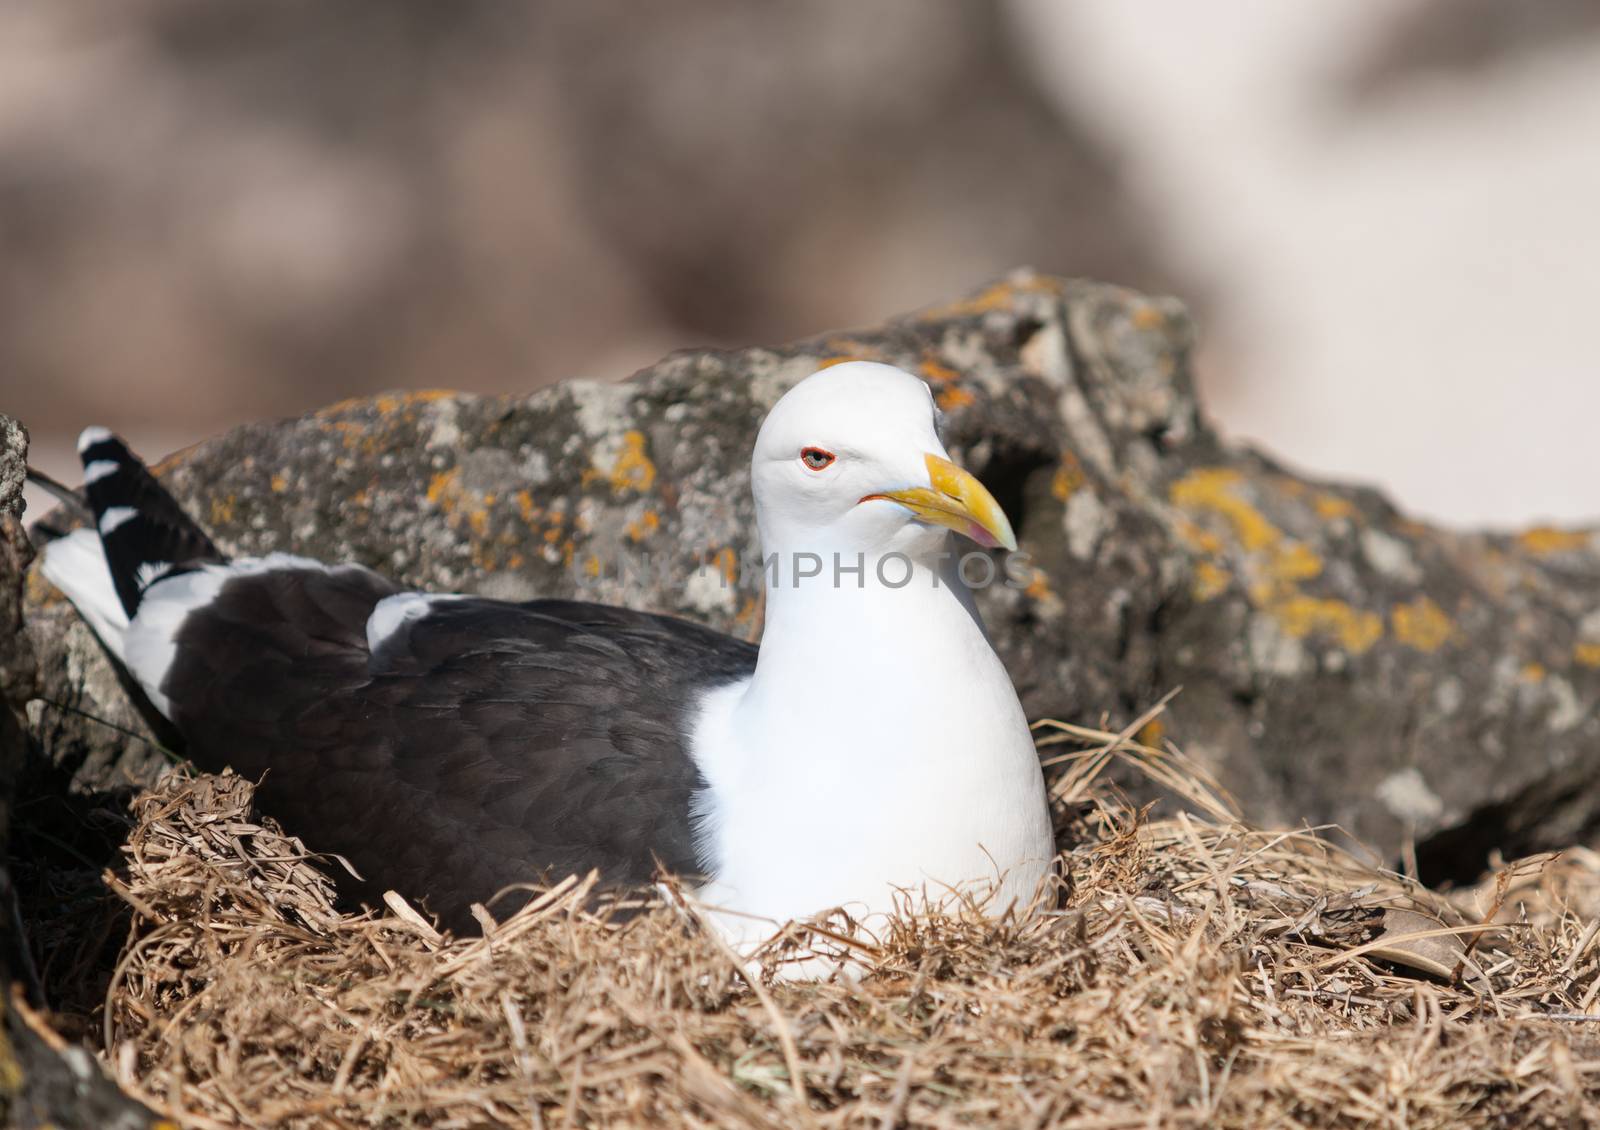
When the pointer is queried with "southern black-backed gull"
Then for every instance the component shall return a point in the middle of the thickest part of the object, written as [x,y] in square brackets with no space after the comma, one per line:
[449,747]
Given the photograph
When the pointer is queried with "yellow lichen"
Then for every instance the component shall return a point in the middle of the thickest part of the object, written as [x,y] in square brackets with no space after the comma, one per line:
[1587,654]
[222,509]
[1331,506]
[1203,540]
[279,484]
[1210,489]
[1210,580]
[1355,629]
[1543,540]
[1422,624]
[1294,561]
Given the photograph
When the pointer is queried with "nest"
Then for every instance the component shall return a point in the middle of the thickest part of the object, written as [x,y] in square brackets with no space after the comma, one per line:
[1199,972]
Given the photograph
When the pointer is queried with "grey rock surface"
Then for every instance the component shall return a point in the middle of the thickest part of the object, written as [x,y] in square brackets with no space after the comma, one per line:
[1339,662]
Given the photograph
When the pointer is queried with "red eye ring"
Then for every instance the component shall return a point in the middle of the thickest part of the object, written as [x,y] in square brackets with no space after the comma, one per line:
[816,458]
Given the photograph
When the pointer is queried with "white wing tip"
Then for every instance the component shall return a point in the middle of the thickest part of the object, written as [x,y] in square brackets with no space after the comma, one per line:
[92,435]
[115,516]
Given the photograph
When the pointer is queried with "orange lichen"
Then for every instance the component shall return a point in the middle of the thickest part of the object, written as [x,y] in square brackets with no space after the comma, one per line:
[1147,316]
[525,506]
[646,524]
[442,488]
[936,372]
[41,591]
[1422,624]
[278,483]
[726,562]
[390,402]
[1069,477]
[1587,654]
[1039,586]
[953,397]
[1532,672]
[996,297]
[385,403]
[222,509]
[1356,630]
[633,469]
[999,296]
[1543,540]
[351,433]
[749,610]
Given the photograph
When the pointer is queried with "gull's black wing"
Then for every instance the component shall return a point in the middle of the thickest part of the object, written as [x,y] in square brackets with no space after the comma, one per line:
[481,744]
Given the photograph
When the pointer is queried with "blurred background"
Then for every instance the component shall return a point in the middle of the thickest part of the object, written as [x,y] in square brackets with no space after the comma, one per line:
[1384,215]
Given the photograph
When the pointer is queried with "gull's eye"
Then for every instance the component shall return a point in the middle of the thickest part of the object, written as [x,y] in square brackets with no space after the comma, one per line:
[815,457]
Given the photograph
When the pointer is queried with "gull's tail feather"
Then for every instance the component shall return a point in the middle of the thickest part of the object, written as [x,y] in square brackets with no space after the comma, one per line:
[141,535]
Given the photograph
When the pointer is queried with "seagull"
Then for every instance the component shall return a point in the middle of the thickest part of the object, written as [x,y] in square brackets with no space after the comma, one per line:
[450,747]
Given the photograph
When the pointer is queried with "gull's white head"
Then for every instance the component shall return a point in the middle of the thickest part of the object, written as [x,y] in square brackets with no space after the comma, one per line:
[850,459]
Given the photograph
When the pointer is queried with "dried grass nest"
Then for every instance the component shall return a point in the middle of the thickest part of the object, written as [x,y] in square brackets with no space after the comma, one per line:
[1200,972]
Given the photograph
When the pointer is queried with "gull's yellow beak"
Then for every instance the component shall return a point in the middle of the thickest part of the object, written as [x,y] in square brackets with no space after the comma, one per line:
[958,502]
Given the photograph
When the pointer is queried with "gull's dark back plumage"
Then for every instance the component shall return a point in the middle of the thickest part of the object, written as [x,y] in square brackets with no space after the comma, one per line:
[484,744]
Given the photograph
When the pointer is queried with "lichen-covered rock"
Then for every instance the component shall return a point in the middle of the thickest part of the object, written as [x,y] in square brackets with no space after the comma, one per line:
[1339,663]
[42,1082]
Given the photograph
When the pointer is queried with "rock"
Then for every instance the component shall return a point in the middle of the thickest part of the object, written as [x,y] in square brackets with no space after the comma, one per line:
[43,1082]
[1340,663]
